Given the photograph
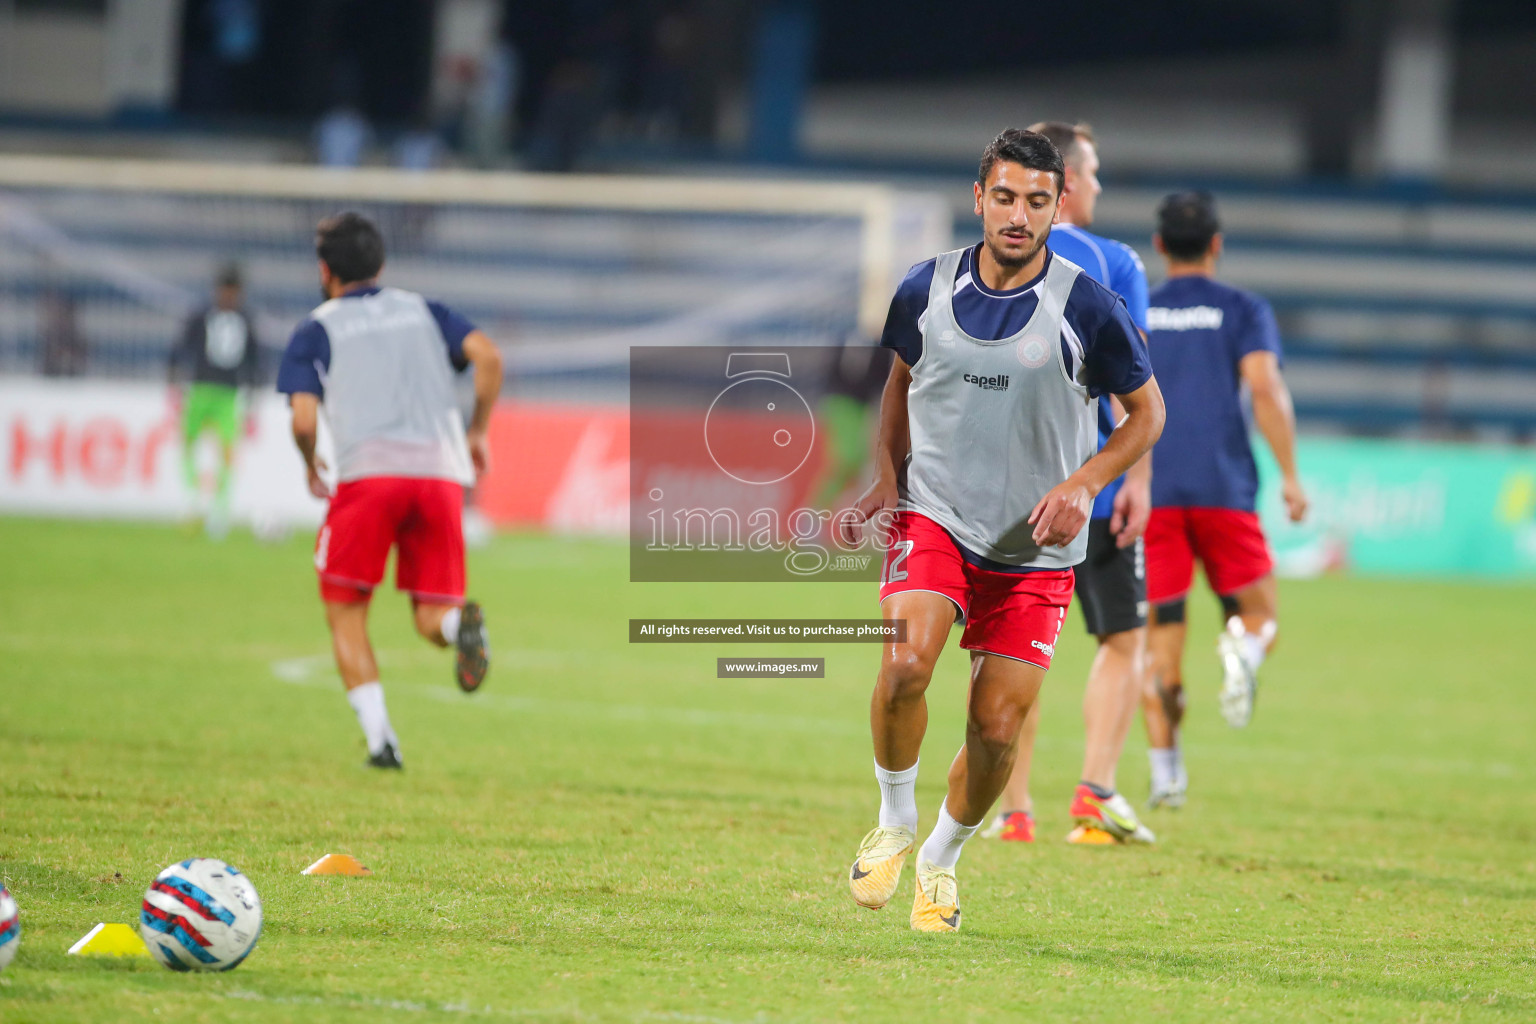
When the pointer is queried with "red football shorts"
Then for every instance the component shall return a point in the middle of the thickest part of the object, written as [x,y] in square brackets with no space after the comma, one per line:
[419,517]
[1229,543]
[1016,615]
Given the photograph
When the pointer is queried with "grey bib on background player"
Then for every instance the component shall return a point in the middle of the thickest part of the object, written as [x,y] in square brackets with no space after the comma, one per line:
[390,400]
[996,424]
[225,337]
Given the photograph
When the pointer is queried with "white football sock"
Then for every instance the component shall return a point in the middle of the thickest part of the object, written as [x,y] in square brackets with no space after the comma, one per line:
[1256,645]
[368,701]
[1166,766]
[942,847]
[898,796]
[449,629]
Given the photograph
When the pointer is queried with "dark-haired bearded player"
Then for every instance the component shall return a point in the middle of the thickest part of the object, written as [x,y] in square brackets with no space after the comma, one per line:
[988,454]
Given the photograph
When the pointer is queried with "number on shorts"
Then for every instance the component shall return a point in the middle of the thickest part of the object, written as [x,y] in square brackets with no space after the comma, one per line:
[894,573]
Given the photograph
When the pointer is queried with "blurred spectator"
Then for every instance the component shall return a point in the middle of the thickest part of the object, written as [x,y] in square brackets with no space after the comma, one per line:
[570,111]
[62,351]
[584,88]
[670,86]
[342,136]
[419,147]
[605,71]
[221,54]
[343,133]
[236,29]
[488,109]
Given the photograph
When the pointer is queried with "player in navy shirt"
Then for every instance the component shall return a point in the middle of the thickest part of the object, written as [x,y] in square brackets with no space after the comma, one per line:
[1110,583]
[1210,342]
[382,363]
[988,462]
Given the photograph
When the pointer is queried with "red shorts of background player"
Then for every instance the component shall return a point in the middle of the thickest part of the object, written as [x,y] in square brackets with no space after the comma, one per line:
[1016,615]
[1229,543]
[419,517]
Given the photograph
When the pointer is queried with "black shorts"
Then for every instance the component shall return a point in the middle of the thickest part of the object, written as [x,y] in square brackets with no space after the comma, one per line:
[1112,583]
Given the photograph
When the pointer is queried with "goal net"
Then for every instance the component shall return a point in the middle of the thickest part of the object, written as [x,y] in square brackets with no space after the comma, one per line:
[101,259]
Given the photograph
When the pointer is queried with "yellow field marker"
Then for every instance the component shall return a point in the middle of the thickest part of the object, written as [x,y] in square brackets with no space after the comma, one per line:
[110,940]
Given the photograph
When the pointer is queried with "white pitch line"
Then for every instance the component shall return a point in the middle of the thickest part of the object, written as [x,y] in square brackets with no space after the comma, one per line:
[399,1005]
[299,670]
[508,1012]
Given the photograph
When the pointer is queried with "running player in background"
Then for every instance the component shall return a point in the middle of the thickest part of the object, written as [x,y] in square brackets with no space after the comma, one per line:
[219,354]
[1209,342]
[1110,582]
[988,454]
[382,361]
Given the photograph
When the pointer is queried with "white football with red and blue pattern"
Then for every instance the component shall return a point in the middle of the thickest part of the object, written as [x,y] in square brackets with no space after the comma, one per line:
[201,915]
[10,928]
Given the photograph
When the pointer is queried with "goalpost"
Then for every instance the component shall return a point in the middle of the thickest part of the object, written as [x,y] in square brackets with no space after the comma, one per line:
[566,271]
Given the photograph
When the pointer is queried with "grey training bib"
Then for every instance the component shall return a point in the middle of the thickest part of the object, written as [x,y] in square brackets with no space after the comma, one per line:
[996,424]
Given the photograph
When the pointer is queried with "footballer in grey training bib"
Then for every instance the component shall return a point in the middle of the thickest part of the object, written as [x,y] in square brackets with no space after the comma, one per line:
[996,424]
[389,394]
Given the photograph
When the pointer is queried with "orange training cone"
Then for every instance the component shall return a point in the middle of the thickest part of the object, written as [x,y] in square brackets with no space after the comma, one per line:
[1090,836]
[337,864]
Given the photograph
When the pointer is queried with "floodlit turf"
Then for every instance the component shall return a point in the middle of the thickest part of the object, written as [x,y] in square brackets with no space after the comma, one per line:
[609,832]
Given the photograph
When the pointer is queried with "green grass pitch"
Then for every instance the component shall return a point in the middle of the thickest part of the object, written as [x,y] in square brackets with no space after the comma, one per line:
[609,832]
